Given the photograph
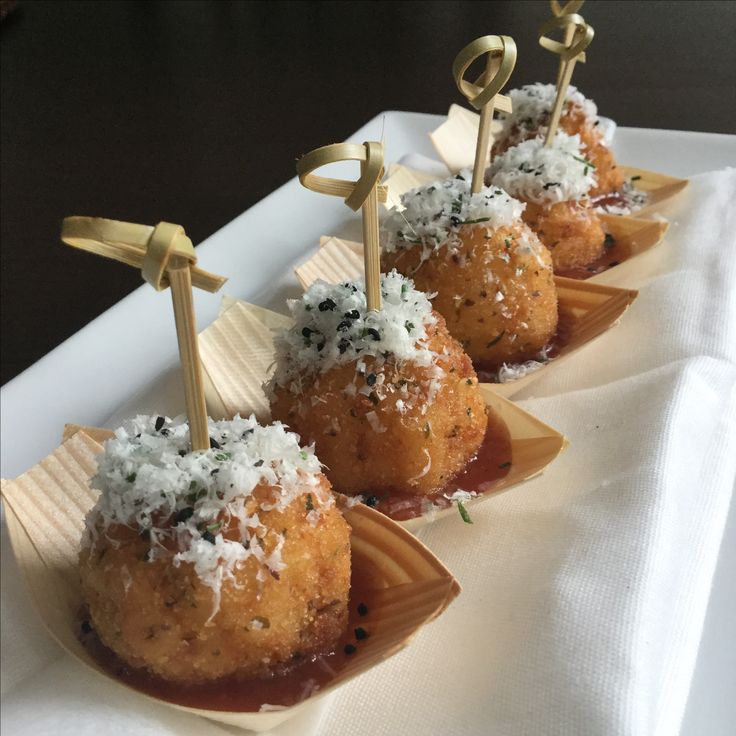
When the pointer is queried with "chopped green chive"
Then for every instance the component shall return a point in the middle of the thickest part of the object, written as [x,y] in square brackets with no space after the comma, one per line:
[464,515]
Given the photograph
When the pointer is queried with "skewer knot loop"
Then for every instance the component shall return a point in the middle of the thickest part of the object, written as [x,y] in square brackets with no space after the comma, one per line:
[355,193]
[502,51]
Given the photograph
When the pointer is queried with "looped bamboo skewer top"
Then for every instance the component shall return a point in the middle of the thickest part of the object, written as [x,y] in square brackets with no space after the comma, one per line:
[370,155]
[166,257]
[569,8]
[569,51]
[363,194]
[483,93]
[129,243]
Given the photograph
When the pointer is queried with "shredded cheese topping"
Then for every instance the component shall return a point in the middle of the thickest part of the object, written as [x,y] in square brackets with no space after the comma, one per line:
[332,326]
[535,173]
[532,105]
[433,214]
[150,480]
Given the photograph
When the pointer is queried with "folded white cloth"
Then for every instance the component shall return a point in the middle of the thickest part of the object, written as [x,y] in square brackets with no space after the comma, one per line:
[584,590]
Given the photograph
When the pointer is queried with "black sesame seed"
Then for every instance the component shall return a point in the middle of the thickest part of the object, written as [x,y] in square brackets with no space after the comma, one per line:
[352,314]
[307,331]
[370,379]
[327,305]
[362,609]
[361,633]
[375,334]
[343,345]
[209,537]
[183,514]
[214,444]
[258,463]
[159,423]
[371,501]
[344,326]
[350,649]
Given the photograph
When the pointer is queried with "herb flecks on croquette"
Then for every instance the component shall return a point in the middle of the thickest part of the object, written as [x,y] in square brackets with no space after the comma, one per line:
[333,327]
[184,501]
[545,175]
[432,215]
[532,105]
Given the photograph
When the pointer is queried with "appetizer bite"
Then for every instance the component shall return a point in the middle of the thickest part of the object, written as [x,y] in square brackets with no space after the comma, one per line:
[389,397]
[228,561]
[532,107]
[492,276]
[555,183]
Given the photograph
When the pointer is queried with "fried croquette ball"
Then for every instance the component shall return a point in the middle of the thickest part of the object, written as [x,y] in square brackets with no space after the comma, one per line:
[571,230]
[492,277]
[495,289]
[200,565]
[555,182]
[389,398]
[532,107]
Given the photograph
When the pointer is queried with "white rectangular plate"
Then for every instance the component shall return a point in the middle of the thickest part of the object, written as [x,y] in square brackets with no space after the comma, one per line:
[125,360]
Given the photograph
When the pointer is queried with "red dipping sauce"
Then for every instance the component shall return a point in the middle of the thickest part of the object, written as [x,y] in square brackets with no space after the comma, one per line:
[240,694]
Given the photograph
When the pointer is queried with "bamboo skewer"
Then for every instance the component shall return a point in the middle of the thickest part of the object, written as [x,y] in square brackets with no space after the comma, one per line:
[371,248]
[180,279]
[166,258]
[569,51]
[483,94]
[570,7]
[363,194]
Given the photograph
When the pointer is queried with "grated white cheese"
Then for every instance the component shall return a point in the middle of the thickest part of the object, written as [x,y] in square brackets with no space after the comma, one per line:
[459,495]
[624,202]
[544,175]
[332,327]
[532,105]
[149,479]
[432,214]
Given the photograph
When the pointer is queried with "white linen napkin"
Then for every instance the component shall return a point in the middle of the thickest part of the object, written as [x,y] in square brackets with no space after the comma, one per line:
[584,590]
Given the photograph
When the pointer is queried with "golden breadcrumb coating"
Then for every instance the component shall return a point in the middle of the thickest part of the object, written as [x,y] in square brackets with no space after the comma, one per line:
[571,230]
[411,433]
[495,289]
[156,615]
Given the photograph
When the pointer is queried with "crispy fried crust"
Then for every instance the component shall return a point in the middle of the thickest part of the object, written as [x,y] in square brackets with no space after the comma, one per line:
[468,279]
[154,614]
[372,445]
[571,230]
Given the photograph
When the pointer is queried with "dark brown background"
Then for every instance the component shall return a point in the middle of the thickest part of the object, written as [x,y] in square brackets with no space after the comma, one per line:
[192,111]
